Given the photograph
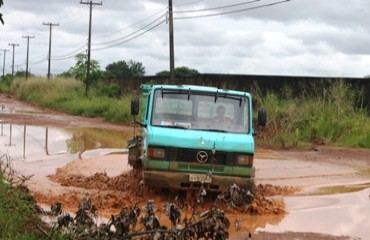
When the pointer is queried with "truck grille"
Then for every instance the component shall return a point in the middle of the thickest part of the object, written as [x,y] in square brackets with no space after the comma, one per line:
[190,156]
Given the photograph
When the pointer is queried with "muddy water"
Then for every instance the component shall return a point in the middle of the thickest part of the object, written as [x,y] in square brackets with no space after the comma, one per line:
[323,206]
[25,142]
[344,214]
[335,198]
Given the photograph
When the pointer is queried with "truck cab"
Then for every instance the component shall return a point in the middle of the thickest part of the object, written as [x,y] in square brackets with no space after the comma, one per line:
[193,136]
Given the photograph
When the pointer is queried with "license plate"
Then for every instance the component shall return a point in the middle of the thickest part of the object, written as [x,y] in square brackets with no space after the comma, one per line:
[200,178]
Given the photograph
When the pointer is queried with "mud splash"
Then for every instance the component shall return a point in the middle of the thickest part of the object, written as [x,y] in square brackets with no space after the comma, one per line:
[111,193]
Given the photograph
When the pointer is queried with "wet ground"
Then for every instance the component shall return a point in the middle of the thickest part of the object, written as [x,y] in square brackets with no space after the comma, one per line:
[324,191]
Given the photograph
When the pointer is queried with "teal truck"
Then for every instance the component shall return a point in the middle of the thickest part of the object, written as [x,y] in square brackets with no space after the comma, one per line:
[193,136]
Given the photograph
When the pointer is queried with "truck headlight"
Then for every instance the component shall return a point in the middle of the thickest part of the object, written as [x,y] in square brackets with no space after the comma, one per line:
[156,153]
[244,160]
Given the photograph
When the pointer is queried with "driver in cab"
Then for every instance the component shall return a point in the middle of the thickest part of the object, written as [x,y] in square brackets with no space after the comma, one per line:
[220,116]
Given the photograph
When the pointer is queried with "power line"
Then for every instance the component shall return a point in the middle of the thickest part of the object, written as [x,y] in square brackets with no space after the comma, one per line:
[127,38]
[132,38]
[130,34]
[39,61]
[21,63]
[70,54]
[216,8]
[233,11]
[148,27]
[137,23]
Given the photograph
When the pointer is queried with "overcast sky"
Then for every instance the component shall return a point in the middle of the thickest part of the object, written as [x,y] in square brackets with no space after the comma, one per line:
[297,37]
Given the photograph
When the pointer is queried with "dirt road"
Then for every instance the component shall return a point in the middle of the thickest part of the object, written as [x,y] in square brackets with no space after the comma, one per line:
[303,194]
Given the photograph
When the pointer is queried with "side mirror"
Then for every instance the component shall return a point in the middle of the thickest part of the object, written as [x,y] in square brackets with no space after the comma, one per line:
[262,117]
[135,106]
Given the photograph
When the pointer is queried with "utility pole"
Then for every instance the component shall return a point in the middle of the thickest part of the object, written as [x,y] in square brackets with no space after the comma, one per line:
[89,45]
[49,56]
[13,45]
[5,50]
[172,51]
[28,47]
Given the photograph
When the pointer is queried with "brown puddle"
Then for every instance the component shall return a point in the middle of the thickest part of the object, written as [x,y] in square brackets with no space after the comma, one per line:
[345,214]
[24,142]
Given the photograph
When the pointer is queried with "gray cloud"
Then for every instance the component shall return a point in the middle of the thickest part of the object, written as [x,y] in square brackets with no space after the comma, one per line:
[299,37]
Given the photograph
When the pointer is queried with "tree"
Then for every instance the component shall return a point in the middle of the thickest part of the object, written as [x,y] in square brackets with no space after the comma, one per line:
[121,69]
[80,68]
[22,74]
[1,15]
[179,71]
[163,73]
[137,68]
[185,71]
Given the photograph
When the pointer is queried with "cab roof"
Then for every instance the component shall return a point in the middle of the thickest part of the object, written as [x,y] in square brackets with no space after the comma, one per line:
[193,88]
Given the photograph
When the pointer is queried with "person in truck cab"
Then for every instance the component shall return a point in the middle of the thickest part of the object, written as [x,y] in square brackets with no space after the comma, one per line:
[220,116]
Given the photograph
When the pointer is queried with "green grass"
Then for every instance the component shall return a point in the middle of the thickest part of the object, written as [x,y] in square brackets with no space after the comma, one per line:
[329,117]
[68,95]
[17,216]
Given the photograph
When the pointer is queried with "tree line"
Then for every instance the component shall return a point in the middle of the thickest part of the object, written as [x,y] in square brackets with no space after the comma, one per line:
[116,70]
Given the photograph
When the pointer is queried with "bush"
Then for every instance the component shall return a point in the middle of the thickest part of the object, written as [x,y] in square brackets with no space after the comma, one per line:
[111,91]
[5,83]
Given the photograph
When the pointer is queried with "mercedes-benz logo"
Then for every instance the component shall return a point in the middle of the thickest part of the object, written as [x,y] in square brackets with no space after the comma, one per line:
[202,157]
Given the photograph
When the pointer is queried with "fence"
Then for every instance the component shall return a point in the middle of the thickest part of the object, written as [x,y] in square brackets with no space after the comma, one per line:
[297,85]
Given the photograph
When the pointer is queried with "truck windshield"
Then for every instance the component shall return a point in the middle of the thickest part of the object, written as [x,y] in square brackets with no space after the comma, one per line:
[201,111]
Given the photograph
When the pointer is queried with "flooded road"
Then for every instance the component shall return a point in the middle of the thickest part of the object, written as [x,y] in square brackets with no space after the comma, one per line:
[335,195]
[25,142]
[334,182]
[344,214]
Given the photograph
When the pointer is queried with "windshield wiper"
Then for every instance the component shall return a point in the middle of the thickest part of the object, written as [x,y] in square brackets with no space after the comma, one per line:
[178,126]
[213,130]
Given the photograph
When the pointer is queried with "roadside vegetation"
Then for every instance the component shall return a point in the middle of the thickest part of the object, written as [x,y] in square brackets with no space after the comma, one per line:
[333,116]
[68,95]
[18,218]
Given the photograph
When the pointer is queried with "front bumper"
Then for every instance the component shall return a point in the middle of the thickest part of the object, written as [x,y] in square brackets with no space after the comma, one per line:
[180,180]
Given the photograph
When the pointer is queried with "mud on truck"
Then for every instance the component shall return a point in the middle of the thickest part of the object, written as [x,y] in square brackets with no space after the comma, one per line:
[194,136]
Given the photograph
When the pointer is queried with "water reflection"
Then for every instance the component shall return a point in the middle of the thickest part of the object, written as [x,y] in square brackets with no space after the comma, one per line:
[22,141]
[345,214]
